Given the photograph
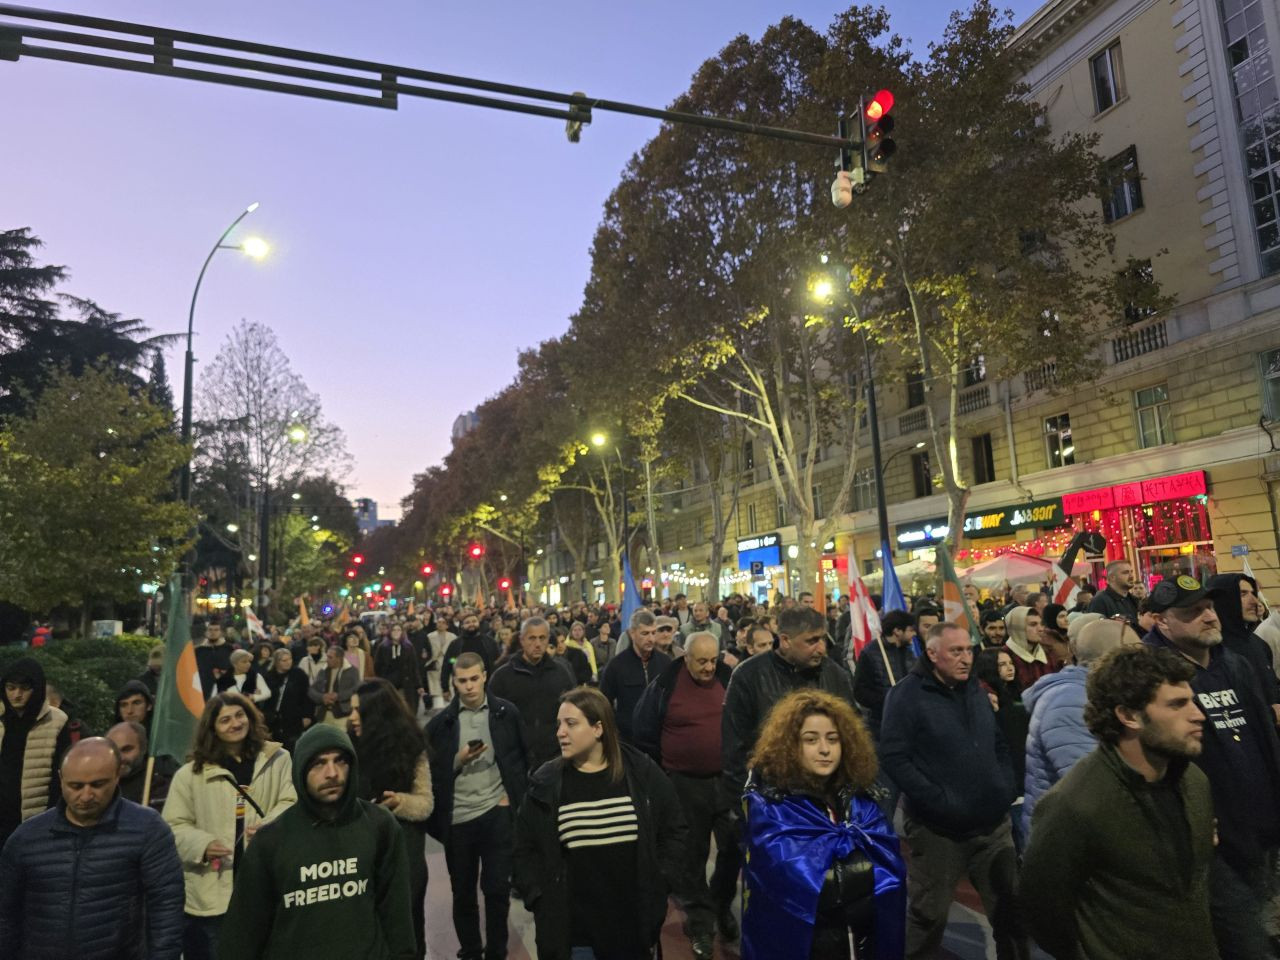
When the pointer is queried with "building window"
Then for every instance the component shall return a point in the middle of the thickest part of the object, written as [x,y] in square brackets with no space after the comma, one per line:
[1108,78]
[782,513]
[1152,404]
[984,464]
[864,489]
[817,502]
[915,389]
[1057,441]
[921,473]
[748,456]
[1122,186]
[1258,112]
[1270,365]
[751,518]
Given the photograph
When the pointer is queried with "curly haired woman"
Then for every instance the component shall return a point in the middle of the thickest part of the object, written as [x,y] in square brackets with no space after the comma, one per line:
[820,858]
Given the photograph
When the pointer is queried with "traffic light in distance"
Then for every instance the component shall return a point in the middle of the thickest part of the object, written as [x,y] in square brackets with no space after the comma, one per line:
[357,558]
[351,573]
[475,551]
[388,587]
[877,124]
[428,569]
[446,590]
[504,583]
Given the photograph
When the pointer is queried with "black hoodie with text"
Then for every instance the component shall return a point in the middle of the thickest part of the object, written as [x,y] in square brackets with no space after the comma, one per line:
[319,886]
[1237,633]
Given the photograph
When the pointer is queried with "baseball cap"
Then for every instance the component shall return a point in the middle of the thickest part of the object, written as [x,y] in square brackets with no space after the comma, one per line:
[1180,591]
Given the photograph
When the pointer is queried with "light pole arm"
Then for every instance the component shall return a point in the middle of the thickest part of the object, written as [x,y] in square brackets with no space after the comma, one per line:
[189,364]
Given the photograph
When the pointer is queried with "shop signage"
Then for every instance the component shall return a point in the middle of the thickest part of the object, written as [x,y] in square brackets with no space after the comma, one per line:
[922,534]
[757,569]
[1177,486]
[765,549]
[1005,520]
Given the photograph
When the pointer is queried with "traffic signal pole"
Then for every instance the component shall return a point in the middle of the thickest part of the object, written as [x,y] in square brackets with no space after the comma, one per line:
[138,48]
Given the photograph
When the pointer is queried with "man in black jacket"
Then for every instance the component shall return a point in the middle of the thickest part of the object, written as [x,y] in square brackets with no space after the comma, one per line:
[940,744]
[533,681]
[96,876]
[799,661]
[470,640]
[883,664]
[677,722]
[1116,600]
[632,669]
[1241,757]
[479,768]
[1235,601]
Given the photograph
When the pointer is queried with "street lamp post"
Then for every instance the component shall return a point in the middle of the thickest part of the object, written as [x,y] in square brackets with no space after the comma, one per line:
[253,247]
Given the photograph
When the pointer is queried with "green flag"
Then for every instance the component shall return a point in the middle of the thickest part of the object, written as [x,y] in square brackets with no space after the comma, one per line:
[954,608]
[179,698]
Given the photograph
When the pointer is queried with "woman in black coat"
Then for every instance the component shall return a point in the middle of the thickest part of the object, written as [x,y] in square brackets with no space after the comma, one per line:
[289,710]
[588,880]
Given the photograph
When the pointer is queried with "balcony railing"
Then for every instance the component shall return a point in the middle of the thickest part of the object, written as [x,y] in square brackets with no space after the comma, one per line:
[913,421]
[1046,375]
[975,398]
[1138,341]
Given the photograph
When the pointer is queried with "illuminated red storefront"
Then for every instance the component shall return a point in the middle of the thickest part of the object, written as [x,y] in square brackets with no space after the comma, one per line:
[1161,525]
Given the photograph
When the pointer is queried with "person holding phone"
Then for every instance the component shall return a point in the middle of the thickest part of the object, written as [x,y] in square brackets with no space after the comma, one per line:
[479,766]
[394,773]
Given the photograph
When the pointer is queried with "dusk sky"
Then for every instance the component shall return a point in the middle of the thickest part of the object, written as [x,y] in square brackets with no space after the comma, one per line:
[414,252]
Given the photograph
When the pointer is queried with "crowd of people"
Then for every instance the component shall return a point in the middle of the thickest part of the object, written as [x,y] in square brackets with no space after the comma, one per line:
[1106,775]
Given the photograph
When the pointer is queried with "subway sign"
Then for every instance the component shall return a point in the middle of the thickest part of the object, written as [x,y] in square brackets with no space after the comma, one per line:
[1005,520]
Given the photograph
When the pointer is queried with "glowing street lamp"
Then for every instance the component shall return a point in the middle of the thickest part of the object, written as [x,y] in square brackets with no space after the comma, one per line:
[255,248]
[297,433]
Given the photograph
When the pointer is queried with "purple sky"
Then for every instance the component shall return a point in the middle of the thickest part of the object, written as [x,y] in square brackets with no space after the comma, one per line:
[416,251]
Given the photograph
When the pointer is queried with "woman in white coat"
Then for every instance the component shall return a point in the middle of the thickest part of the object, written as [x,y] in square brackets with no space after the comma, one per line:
[236,779]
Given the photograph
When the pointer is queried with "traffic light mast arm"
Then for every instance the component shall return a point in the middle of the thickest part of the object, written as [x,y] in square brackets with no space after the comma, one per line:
[366,83]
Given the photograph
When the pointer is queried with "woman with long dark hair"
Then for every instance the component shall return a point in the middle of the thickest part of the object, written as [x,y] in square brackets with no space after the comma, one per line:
[237,778]
[821,860]
[996,671]
[599,842]
[394,772]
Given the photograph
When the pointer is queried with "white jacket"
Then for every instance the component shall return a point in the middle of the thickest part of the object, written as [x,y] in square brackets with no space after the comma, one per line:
[201,808]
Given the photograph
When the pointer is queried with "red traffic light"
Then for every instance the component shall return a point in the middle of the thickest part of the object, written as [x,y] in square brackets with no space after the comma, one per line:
[880,105]
[476,551]
[358,558]
[388,587]
[351,573]
[428,569]
[504,583]
[445,589]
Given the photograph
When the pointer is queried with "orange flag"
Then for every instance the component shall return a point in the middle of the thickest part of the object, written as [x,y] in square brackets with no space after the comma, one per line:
[303,619]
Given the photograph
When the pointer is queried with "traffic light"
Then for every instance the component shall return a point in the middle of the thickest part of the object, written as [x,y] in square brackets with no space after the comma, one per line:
[877,125]
[351,573]
[428,569]
[475,551]
[388,587]
[446,590]
[357,558]
[504,583]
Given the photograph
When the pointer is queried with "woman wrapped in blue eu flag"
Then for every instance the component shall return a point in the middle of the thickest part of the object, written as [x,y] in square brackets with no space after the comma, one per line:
[823,866]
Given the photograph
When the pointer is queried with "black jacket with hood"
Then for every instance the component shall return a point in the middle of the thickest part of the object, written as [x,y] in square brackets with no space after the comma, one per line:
[19,777]
[1238,635]
[311,885]
[134,688]
[539,873]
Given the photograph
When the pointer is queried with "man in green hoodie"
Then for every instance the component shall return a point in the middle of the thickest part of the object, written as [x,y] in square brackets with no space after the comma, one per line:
[329,877]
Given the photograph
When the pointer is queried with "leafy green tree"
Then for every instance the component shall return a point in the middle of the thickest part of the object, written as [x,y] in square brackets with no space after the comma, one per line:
[85,511]
[983,253]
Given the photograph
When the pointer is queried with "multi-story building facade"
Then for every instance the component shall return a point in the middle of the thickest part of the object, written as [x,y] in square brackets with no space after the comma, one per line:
[1173,451]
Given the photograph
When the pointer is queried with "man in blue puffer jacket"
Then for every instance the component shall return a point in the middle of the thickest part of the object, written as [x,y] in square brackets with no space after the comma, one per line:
[95,878]
[1058,736]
